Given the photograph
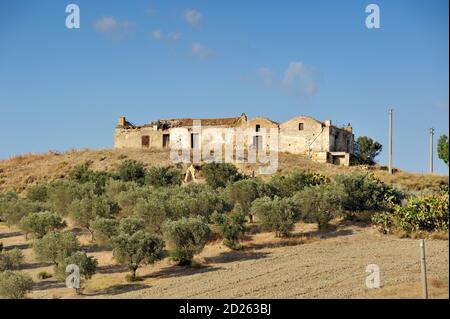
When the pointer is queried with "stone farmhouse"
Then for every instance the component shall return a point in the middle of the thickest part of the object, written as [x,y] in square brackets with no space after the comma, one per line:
[321,141]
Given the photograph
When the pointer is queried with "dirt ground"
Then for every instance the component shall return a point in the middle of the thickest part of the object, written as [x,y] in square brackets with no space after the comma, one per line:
[307,265]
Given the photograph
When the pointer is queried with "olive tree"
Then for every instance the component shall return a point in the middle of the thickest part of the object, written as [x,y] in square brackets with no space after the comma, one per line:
[39,224]
[11,259]
[54,247]
[14,284]
[186,237]
[137,249]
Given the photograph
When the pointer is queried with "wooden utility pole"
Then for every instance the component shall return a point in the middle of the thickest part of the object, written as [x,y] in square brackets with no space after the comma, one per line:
[423,269]
[431,149]
[390,143]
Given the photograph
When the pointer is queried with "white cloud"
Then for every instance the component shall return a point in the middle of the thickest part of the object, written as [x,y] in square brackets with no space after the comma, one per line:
[156,34]
[192,17]
[117,30]
[201,51]
[106,24]
[298,79]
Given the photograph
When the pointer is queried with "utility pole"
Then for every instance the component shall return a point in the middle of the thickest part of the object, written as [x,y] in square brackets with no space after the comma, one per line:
[431,149]
[390,143]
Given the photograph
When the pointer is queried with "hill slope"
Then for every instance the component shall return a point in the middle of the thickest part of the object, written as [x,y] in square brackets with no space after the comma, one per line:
[20,172]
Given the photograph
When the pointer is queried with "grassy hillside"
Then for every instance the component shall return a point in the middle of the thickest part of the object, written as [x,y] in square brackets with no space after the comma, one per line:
[20,172]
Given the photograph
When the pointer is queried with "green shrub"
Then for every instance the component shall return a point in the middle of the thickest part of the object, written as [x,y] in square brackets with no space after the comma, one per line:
[63,192]
[152,211]
[319,204]
[244,192]
[131,225]
[37,193]
[14,284]
[186,237]
[82,174]
[13,209]
[425,213]
[84,211]
[11,259]
[39,224]
[131,170]
[104,229]
[360,192]
[86,264]
[54,247]
[219,174]
[159,176]
[278,214]
[127,199]
[137,249]
[231,226]
[286,186]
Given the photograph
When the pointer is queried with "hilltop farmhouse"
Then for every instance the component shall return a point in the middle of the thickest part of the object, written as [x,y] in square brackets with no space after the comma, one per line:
[321,141]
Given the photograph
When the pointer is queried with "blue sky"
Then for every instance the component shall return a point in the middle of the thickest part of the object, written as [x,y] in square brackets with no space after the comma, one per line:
[65,88]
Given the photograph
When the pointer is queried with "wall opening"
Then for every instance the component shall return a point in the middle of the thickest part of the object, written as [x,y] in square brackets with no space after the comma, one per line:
[301,126]
[166,140]
[194,140]
[145,141]
[258,128]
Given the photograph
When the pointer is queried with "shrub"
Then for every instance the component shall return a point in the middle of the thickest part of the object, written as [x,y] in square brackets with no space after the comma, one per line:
[14,284]
[86,264]
[137,249]
[286,186]
[319,204]
[186,237]
[38,193]
[244,192]
[231,226]
[219,174]
[278,214]
[360,192]
[131,170]
[54,247]
[41,223]
[131,225]
[153,212]
[84,211]
[82,174]
[104,229]
[63,192]
[127,199]
[11,259]
[14,209]
[425,213]
[42,275]
[162,176]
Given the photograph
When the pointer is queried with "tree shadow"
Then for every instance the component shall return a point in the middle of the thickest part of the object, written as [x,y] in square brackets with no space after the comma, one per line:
[331,233]
[117,289]
[35,265]
[232,256]
[110,269]
[18,246]
[95,248]
[178,271]
[48,284]
[11,234]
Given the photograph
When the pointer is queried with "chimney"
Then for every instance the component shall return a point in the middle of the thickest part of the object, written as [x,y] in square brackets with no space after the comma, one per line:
[349,128]
[122,121]
[328,123]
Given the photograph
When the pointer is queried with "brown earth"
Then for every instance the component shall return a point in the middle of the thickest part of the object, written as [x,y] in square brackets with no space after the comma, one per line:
[307,265]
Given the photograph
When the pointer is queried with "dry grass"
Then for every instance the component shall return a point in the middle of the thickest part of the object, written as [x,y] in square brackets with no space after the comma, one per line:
[437,289]
[20,172]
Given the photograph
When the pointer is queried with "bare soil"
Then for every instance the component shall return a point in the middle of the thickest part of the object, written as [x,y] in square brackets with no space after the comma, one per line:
[309,264]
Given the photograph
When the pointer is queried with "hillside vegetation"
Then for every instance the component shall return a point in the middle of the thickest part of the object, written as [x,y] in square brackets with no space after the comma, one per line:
[20,172]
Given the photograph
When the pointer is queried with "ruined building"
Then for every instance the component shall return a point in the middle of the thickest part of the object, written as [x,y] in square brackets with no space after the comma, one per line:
[321,141]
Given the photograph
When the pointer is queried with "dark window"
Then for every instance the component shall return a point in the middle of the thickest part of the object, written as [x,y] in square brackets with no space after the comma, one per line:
[194,140]
[258,127]
[300,126]
[145,141]
[166,140]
